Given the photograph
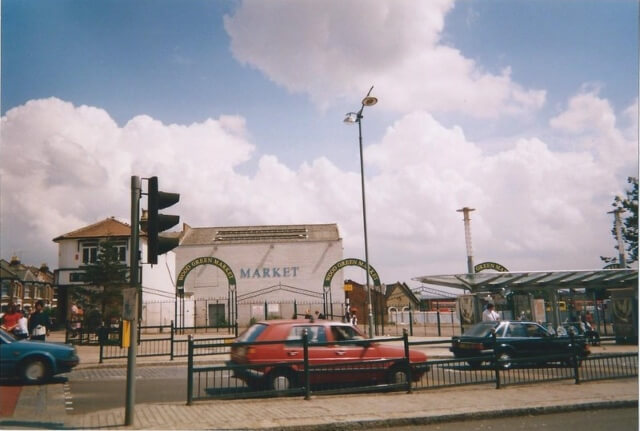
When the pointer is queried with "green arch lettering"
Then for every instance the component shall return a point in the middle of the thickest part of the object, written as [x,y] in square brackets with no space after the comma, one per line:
[350,262]
[489,266]
[209,260]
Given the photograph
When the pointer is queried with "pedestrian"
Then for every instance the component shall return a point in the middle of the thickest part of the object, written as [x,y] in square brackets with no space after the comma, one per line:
[319,315]
[22,330]
[10,318]
[39,323]
[489,314]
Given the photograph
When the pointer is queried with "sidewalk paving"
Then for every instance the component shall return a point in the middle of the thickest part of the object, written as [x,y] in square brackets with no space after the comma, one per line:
[44,406]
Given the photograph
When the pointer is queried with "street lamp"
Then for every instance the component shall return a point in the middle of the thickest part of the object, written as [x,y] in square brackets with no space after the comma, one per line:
[356,117]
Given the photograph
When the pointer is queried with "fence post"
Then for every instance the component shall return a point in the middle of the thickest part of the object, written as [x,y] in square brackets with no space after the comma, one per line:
[101,346]
[307,380]
[574,356]
[410,321]
[405,340]
[495,358]
[171,340]
[190,372]
[438,317]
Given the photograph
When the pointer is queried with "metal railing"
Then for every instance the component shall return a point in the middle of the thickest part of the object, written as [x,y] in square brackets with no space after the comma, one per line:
[248,381]
[163,341]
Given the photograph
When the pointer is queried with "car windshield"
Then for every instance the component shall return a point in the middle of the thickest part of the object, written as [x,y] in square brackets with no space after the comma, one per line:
[251,333]
[6,337]
[482,329]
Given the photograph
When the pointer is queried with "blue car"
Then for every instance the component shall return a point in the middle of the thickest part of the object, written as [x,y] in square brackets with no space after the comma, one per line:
[34,361]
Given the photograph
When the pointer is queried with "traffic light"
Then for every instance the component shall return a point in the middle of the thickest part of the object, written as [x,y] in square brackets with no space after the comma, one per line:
[157,223]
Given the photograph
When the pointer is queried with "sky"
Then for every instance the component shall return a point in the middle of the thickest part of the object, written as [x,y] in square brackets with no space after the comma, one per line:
[526,111]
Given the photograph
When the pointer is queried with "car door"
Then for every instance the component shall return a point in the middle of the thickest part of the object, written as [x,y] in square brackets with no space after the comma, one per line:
[537,340]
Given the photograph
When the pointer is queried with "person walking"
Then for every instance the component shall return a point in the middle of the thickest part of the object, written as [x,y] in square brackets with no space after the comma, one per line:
[489,314]
[39,323]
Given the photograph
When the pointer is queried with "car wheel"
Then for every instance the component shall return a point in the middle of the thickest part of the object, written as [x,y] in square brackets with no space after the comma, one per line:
[281,380]
[35,370]
[504,360]
[398,374]
[474,364]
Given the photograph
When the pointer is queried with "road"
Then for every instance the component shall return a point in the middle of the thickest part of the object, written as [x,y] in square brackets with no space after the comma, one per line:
[105,388]
[625,419]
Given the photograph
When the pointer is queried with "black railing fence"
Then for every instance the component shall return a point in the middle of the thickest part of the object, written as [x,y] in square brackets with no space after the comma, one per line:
[301,377]
[165,340]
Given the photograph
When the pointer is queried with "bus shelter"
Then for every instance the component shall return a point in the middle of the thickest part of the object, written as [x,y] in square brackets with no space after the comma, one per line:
[539,295]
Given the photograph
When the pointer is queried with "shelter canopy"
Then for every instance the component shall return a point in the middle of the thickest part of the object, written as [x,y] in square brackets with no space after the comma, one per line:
[523,281]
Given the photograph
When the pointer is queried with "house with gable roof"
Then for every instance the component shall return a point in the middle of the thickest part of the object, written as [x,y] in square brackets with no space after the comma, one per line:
[23,285]
[79,248]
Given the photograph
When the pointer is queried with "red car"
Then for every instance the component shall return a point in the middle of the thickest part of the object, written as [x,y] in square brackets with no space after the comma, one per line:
[338,353]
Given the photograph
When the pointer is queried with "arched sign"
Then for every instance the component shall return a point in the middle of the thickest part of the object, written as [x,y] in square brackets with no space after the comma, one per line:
[350,262]
[489,266]
[209,260]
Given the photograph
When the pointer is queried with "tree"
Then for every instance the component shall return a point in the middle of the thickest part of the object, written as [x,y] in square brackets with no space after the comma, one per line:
[629,205]
[106,278]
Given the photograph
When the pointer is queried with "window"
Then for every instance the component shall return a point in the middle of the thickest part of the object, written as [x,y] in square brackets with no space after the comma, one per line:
[516,330]
[345,333]
[316,334]
[89,252]
[121,252]
[76,276]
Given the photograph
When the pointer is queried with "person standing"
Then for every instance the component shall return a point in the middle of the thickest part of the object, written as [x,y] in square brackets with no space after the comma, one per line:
[10,318]
[489,314]
[22,329]
[39,323]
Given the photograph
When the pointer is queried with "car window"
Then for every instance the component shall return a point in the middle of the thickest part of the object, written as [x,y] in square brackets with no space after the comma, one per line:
[534,330]
[516,330]
[481,329]
[316,334]
[345,333]
[252,333]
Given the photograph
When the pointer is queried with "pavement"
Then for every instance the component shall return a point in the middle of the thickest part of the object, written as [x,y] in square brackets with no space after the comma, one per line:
[45,406]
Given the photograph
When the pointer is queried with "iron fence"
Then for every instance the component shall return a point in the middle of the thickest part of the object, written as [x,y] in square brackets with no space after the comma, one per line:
[301,378]
[162,340]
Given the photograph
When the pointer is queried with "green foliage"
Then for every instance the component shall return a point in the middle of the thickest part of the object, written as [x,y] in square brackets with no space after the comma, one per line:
[105,280]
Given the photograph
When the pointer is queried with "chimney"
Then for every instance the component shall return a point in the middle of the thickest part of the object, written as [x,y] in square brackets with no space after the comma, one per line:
[44,268]
[15,261]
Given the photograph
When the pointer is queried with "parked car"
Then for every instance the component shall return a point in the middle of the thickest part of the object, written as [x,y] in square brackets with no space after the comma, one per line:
[34,361]
[346,353]
[515,339]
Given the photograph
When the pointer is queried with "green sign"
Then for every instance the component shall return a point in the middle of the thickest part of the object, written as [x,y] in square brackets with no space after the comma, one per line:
[489,266]
[205,261]
[351,262]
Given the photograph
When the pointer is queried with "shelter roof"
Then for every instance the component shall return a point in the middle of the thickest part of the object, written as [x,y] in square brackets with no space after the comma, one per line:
[492,281]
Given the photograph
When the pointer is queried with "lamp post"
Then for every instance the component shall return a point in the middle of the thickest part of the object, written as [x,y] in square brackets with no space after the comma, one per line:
[356,117]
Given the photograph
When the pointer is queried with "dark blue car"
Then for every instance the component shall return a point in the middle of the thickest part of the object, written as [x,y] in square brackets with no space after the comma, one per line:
[34,361]
[515,339]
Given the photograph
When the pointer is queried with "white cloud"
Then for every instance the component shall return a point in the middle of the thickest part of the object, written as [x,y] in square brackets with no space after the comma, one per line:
[329,49]
[64,167]
[590,124]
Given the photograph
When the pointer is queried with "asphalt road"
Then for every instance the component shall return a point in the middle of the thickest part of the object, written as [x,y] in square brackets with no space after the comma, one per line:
[99,389]
[624,419]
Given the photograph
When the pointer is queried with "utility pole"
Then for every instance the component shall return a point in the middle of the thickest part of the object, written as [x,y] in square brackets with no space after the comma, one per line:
[467,237]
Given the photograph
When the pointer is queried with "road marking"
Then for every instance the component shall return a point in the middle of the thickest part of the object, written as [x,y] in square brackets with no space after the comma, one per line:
[68,398]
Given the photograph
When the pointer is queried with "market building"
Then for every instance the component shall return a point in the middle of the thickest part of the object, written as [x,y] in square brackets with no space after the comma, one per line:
[245,273]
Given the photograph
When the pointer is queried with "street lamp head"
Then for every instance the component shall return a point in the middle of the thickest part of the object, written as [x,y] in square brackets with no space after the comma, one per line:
[369,101]
[351,118]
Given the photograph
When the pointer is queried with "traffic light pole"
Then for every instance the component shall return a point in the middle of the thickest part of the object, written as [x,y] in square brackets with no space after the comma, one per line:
[136,192]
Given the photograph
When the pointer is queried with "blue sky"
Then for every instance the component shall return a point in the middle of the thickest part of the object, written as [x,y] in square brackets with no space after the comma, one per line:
[502,80]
